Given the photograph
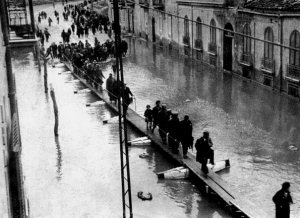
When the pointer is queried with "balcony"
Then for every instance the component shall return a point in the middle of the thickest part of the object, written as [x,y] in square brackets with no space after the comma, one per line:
[199,44]
[268,65]
[20,22]
[246,59]
[293,71]
[126,4]
[212,48]
[186,40]
[159,4]
[229,3]
[144,3]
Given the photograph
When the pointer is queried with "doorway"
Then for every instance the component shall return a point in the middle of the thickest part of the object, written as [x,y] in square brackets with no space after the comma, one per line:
[227,47]
[153,29]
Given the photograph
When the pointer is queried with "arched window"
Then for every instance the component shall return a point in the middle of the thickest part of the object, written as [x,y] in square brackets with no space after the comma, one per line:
[268,47]
[295,43]
[246,40]
[198,28]
[186,27]
[213,37]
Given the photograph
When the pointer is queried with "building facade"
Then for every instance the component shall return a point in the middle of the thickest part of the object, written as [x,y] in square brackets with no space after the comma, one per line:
[255,39]
[16,30]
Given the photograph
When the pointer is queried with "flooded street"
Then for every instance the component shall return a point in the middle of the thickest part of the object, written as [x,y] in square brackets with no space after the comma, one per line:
[78,173]
[248,123]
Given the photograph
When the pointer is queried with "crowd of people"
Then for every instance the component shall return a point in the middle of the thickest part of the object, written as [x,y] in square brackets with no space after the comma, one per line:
[173,132]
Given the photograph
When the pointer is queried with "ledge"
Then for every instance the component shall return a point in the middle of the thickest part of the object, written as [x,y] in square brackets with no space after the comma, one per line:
[267,71]
[245,64]
[198,49]
[292,79]
[211,53]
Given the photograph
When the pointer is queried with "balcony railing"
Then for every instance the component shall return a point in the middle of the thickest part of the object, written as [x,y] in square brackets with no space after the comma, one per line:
[246,58]
[229,3]
[199,44]
[186,40]
[212,48]
[124,3]
[159,4]
[293,71]
[268,64]
[144,3]
[19,20]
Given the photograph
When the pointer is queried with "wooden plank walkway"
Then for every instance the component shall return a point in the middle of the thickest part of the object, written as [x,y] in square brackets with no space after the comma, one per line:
[239,205]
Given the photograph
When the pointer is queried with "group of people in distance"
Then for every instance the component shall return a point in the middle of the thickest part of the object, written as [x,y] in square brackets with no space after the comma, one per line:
[113,88]
[174,131]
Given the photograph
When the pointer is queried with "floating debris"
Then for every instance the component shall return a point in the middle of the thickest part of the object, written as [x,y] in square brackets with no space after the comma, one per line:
[147,197]
[293,148]
[82,91]
[144,155]
[96,103]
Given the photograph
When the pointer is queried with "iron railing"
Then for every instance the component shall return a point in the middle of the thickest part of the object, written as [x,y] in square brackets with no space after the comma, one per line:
[212,48]
[246,58]
[158,4]
[199,44]
[293,71]
[186,40]
[268,64]
[144,3]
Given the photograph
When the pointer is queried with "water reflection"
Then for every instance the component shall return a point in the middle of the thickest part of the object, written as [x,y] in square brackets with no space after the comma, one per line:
[59,159]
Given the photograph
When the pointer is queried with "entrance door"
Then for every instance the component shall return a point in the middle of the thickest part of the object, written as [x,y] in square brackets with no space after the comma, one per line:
[153,30]
[227,47]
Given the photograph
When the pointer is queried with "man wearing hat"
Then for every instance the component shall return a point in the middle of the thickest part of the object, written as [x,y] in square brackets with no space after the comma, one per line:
[174,131]
[204,151]
[186,135]
[163,119]
[282,200]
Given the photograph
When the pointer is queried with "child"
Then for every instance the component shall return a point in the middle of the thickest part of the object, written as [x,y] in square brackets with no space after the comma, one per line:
[148,116]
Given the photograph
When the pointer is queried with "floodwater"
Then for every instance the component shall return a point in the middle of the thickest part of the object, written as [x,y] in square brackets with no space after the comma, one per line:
[77,174]
[249,124]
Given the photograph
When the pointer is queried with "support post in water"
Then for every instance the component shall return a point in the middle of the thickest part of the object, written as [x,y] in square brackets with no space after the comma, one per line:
[45,75]
[38,56]
[55,109]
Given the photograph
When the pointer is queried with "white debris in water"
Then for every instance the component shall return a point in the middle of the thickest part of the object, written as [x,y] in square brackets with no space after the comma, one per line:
[293,148]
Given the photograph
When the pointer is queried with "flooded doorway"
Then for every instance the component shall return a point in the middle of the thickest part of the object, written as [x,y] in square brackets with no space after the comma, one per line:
[227,46]
[153,29]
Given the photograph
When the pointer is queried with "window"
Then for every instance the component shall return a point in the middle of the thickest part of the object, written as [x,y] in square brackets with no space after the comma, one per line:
[2,114]
[213,37]
[295,43]
[268,47]
[3,134]
[186,26]
[247,40]
[198,29]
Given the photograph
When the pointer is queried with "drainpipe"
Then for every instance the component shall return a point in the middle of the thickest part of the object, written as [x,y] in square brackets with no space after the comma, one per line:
[16,191]
[192,38]
[32,16]
[281,53]
[254,62]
